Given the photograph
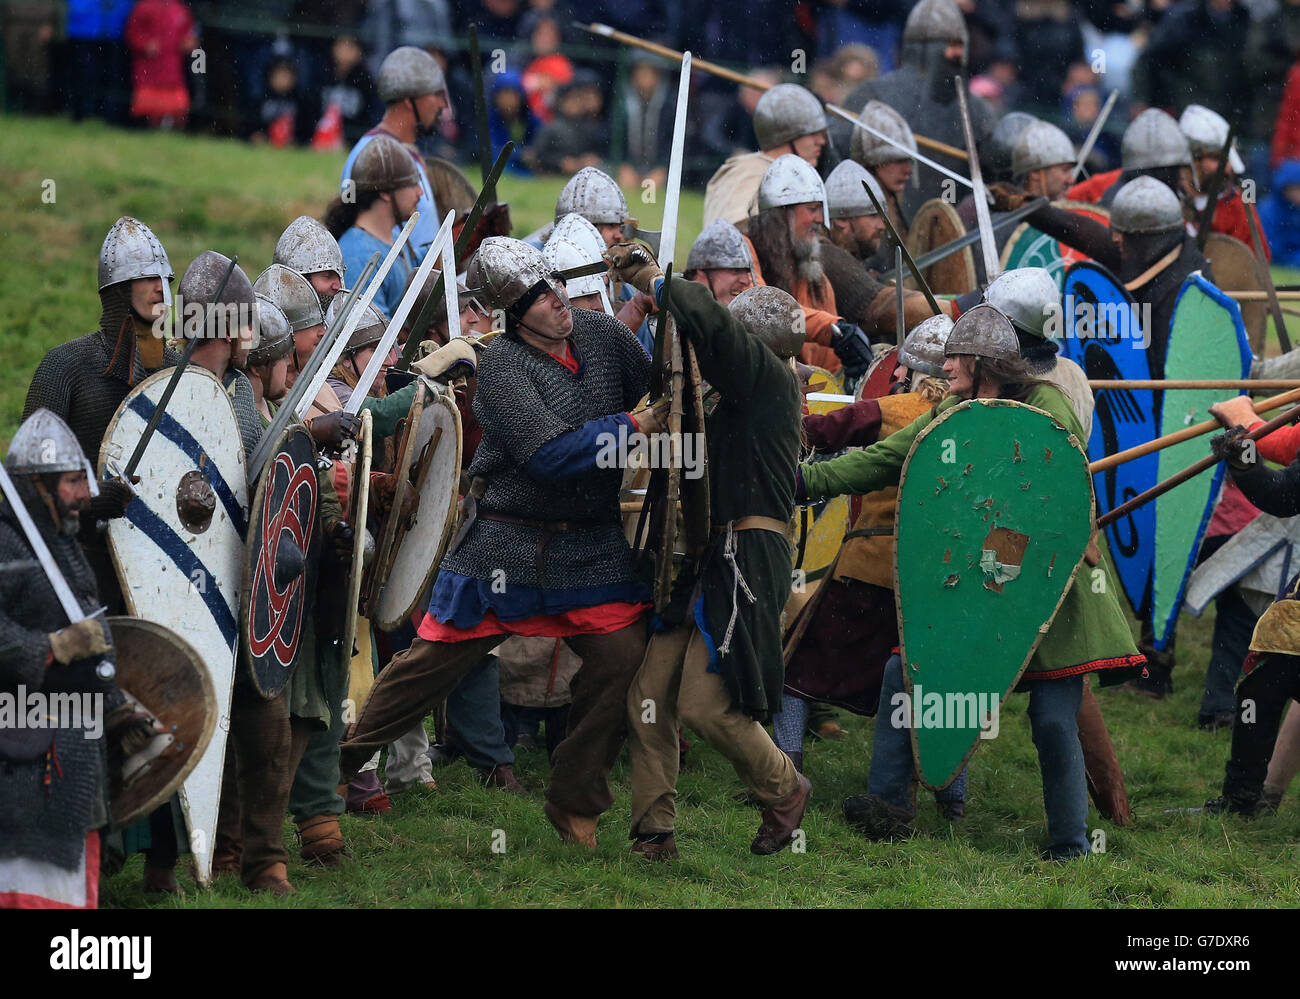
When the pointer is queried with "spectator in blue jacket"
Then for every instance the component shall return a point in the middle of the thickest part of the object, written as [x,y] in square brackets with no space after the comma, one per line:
[1279,213]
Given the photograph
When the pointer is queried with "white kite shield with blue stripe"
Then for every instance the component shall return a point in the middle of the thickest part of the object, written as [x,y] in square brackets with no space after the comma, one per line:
[179,551]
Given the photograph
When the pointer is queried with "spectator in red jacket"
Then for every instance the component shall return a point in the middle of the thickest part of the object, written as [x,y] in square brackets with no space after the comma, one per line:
[161,35]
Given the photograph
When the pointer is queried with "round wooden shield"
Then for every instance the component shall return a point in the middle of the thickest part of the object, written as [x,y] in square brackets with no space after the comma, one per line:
[166,675]
[1234,269]
[356,516]
[936,224]
[179,551]
[403,456]
[279,574]
[994,514]
[1028,247]
[417,548]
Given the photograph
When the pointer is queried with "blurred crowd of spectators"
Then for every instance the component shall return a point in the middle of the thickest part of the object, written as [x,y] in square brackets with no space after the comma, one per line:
[301,72]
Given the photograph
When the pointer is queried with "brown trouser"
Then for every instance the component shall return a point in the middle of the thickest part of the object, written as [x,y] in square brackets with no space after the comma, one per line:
[419,679]
[674,682]
[255,785]
[1105,778]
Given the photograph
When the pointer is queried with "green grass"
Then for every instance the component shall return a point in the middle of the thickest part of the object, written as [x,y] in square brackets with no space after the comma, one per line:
[436,849]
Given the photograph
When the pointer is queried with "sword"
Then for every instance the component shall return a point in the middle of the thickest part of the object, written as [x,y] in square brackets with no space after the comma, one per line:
[371,372]
[928,260]
[852,119]
[668,232]
[1094,133]
[105,670]
[156,416]
[900,322]
[907,257]
[480,116]
[987,247]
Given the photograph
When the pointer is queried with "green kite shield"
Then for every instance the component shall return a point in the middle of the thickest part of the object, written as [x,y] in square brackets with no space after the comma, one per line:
[994,513]
[1028,247]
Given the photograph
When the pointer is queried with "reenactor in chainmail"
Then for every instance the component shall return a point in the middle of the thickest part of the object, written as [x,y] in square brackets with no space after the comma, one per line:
[555,393]
[54,781]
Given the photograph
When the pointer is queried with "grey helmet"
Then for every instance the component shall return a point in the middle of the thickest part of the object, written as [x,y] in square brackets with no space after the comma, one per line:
[871,151]
[784,113]
[1040,145]
[574,242]
[1144,206]
[1206,132]
[308,248]
[791,180]
[1153,140]
[272,338]
[595,196]
[199,285]
[370,327]
[935,21]
[409,72]
[983,332]
[1027,296]
[293,295]
[922,350]
[720,244]
[845,198]
[384,164]
[130,251]
[1002,142]
[773,316]
[504,270]
[45,444]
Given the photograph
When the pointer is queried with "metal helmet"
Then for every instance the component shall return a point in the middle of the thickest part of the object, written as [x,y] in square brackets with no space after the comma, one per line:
[983,332]
[272,337]
[791,180]
[409,72]
[370,327]
[871,151]
[1026,296]
[595,196]
[574,242]
[1153,140]
[504,269]
[384,164]
[1040,145]
[935,21]
[773,316]
[45,444]
[1002,142]
[1206,132]
[199,286]
[308,247]
[784,113]
[1145,206]
[845,198]
[719,244]
[922,350]
[293,295]
[130,251]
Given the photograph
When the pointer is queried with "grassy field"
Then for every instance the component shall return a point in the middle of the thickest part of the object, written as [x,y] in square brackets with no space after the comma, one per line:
[437,849]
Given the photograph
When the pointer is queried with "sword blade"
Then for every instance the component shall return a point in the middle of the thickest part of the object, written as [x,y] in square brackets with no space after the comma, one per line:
[672,197]
[988,248]
[1094,133]
[42,552]
[926,260]
[907,257]
[852,119]
[901,323]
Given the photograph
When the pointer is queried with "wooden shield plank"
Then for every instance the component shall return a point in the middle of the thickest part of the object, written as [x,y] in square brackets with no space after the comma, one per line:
[175,567]
[1029,247]
[935,224]
[1234,267]
[359,506]
[994,515]
[279,573]
[1206,341]
[417,547]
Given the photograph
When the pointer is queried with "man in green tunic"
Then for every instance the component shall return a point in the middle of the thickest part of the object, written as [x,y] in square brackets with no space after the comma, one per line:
[721,670]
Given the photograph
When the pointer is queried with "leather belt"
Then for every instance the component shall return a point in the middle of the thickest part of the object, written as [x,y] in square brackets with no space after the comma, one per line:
[753,524]
[548,526]
[870,532]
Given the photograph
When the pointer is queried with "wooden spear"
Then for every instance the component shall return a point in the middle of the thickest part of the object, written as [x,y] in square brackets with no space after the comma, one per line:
[1193,383]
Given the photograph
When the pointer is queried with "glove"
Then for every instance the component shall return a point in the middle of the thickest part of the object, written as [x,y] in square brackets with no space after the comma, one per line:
[130,729]
[852,347]
[332,429]
[341,536]
[80,640]
[1236,449]
[452,360]
[1007,197]
[632,264]
[113,499]
[653,419]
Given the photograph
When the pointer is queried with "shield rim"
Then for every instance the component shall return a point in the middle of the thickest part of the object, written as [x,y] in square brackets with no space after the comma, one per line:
[937,206]
[696,505]
[360,509]
[405,455]
[1042,628]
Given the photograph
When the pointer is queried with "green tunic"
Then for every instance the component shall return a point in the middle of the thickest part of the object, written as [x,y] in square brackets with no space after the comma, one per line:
[753,445]
[386,412]
[1090,632]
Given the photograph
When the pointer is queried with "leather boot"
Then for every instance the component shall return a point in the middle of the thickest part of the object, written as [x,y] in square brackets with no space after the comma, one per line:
[228,859]
[876,818]
[667,850]
[1105,778]
[502,777]
[275,879]
[780,820]
[580,829]
[322,840]
[160,881]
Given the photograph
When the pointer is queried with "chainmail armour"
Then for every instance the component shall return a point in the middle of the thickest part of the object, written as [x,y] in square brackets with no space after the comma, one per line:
[523,400]
[51,823]
[245,404]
